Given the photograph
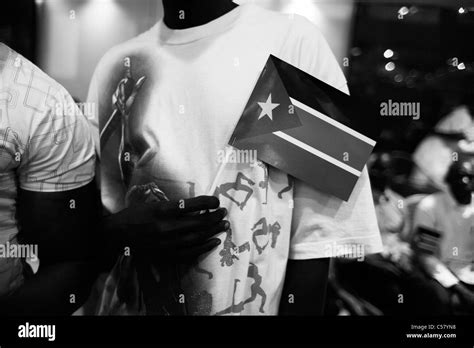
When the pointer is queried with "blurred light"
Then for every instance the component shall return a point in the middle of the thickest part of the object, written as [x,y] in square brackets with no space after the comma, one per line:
[413,73]
[306,8]
[461,66]
[39,2]
[388,53]
[398,78]
[413,9]
[356,51]
[403,11]
[390,66]
[101,15]
[462,10]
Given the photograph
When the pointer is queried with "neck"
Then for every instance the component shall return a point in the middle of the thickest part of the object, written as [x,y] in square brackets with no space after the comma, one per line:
[182,14]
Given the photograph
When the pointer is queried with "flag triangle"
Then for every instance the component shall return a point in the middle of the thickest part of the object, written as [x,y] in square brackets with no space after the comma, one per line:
[269,108]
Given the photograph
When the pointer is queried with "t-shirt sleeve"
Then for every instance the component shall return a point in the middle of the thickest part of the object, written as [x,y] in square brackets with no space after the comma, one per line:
[59,155]
[323,225]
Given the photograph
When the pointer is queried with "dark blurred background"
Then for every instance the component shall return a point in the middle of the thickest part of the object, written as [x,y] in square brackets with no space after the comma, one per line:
[18,26]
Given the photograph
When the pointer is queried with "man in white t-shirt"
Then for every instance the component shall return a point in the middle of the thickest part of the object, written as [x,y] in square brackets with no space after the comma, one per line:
[194,82]
[47,192]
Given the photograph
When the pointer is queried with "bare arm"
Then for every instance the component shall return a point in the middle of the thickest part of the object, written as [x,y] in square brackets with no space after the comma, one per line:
[64,226]
[304,290]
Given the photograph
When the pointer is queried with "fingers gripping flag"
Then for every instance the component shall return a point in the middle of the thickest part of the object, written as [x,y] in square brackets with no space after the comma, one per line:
[305,128]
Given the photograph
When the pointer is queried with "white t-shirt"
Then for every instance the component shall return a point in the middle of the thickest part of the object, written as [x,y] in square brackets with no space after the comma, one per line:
[440,212]
[43,147]
[198,82]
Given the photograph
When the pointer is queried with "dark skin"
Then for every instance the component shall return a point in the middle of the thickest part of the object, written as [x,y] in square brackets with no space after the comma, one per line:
[75,245]
[67,261]
[306,280]
[182,14]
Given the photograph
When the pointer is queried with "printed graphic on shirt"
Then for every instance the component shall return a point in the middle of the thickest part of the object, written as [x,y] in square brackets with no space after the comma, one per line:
[122,100]
[230,251]
[255,291]
[265,230]
[286,188]
[242,183]
[264,183]
[250,184]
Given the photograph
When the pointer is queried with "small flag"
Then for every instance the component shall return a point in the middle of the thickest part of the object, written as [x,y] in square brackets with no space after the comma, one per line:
[305,128]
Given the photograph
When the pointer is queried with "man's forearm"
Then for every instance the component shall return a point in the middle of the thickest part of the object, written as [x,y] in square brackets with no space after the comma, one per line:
[64,226]
[57,289]
[304,291]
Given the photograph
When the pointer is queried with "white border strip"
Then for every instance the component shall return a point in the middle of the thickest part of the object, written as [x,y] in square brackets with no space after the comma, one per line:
[318,153]
[333,122]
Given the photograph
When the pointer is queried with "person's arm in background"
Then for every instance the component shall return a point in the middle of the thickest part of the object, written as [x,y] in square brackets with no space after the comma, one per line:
[67,244]
[426,243]
[57,210]
[319,218]
[305,284]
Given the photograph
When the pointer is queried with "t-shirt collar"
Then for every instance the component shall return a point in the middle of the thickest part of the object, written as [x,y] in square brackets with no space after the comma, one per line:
[182,36]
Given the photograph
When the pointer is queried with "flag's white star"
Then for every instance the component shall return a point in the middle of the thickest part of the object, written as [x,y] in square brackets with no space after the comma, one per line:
[267,108]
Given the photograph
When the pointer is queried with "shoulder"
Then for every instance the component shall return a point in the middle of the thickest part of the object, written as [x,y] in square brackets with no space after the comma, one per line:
[47,128]
[303,45]
[294,25]
[15,69]
[30,90]
[30,95]
[300,24]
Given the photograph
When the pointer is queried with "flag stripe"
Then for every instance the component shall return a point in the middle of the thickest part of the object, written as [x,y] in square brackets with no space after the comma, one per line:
[331,140]
[318,153]
[332,121]
[291,159]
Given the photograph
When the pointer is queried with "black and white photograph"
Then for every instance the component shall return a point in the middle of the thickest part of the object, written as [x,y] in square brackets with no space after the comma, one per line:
[305,165]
